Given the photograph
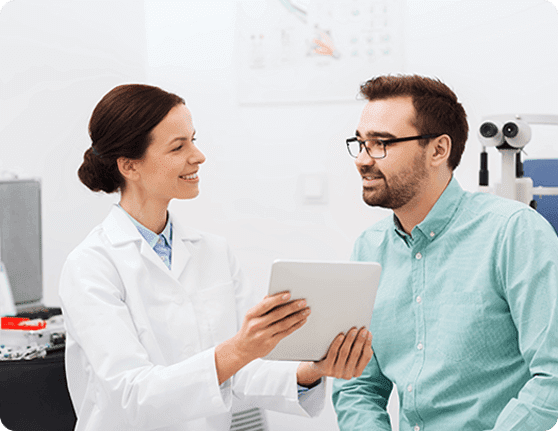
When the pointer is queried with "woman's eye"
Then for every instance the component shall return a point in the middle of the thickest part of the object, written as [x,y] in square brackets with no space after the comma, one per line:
[178,148]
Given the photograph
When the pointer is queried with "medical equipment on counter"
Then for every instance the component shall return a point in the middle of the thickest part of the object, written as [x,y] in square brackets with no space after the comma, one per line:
[24,338]
[510,133]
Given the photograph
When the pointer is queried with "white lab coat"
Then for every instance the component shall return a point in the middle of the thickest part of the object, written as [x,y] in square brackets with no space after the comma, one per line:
[141,338]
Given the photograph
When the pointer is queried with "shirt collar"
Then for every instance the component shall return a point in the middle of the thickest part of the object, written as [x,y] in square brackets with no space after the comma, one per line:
[439,216]
[150,236]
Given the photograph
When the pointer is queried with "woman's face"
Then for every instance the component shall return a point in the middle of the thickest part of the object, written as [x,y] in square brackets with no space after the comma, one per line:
[170,166]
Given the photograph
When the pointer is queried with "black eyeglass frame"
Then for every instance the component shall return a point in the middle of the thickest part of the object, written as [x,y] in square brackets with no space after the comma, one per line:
[385,142]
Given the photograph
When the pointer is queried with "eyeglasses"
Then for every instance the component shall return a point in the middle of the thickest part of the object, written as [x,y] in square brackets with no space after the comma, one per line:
[376,148]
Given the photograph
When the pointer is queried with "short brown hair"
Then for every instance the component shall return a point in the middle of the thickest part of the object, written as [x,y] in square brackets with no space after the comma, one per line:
[436,106]
[120,126]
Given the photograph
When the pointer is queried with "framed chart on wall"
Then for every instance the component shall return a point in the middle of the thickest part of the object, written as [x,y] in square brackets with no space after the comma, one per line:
[290,51]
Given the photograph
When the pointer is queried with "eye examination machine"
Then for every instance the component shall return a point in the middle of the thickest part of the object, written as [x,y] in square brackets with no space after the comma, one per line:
[533,182]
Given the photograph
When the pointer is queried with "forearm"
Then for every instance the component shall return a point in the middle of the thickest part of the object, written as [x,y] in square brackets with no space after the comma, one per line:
[535,409]
[360,407]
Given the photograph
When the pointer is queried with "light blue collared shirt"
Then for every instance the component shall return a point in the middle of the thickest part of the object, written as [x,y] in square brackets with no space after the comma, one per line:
[161,244]
[465,321]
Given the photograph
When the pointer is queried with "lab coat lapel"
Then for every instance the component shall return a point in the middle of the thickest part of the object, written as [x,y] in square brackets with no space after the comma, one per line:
[180,257]
[182,237]
[121,230]
[148,253]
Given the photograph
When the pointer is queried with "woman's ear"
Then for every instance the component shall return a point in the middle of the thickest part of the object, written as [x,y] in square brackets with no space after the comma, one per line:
[127,168]
[441,149]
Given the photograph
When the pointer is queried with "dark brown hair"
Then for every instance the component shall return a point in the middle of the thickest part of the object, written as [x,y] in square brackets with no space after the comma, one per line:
[436,106]
[120,126]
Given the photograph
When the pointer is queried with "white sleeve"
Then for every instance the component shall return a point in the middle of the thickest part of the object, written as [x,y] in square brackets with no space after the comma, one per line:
[105,347]
[272,385]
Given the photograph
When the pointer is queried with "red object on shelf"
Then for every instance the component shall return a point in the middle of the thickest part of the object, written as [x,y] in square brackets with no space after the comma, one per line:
[19,323]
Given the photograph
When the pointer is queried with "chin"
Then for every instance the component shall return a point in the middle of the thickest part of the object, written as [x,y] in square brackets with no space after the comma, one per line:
[375,199]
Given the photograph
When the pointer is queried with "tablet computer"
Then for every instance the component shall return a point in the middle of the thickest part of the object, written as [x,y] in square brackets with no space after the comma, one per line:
[340,294]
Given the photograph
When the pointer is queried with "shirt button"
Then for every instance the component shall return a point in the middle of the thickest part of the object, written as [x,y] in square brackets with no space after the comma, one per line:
[432,234]
[419,299]
[160,241]
[416,428]
[418,255]
[410,388]
[162,258]
[420,346]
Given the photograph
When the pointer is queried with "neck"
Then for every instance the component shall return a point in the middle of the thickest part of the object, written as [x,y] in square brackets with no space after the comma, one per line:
[150,213]
[416,210]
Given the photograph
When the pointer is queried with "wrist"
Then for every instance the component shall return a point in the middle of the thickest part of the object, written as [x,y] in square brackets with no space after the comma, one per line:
[229,359]
[308,375]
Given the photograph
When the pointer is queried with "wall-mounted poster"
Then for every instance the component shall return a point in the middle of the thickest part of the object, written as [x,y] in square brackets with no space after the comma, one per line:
[315,50]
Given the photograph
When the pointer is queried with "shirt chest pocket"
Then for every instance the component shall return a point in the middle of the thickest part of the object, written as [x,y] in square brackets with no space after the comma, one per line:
[216,308]
[461,326]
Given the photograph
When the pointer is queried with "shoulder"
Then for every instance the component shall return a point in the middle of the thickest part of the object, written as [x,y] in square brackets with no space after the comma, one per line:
[500,211]
[480,203]
[372,239]
[91,245]
[378,229]
[184,232]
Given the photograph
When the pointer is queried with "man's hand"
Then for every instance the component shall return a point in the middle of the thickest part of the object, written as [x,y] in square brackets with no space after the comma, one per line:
[346,358]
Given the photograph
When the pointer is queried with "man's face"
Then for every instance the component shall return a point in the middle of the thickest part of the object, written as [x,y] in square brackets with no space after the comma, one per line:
[397,179]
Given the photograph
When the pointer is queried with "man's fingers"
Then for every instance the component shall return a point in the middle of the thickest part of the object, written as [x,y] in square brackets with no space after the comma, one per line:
[365,356]
[344,352]
[355,353]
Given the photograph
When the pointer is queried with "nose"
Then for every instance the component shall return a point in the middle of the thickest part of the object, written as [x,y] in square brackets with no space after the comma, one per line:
[363,159]
[197,157]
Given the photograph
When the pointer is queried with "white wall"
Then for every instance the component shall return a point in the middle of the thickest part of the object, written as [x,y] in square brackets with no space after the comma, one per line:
[58,58]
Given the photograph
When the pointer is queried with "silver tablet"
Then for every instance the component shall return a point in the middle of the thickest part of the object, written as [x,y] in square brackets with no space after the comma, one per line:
[340,294]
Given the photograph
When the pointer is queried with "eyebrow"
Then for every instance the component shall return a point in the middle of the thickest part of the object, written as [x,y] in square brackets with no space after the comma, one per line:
[370,135]
[182,138]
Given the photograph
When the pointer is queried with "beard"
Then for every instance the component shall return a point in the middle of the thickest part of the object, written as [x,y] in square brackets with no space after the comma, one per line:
[399,189]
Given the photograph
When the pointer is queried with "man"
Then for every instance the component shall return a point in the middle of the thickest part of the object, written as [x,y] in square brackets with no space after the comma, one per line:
[466,318]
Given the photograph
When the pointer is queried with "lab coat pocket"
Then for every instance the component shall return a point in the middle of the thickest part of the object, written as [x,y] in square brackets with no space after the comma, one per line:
[219,310]
[461,327]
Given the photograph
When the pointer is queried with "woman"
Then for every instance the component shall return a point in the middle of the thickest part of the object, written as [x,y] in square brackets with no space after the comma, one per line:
[160,333]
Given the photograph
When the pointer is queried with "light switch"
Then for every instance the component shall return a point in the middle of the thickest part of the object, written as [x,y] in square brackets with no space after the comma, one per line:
[314,188]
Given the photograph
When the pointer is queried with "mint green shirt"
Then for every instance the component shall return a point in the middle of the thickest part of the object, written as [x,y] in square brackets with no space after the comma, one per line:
[465,321]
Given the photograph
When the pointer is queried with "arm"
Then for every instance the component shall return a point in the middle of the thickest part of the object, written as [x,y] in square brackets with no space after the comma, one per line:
[125,361]
[528,267]
[107,355]
[361,403]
